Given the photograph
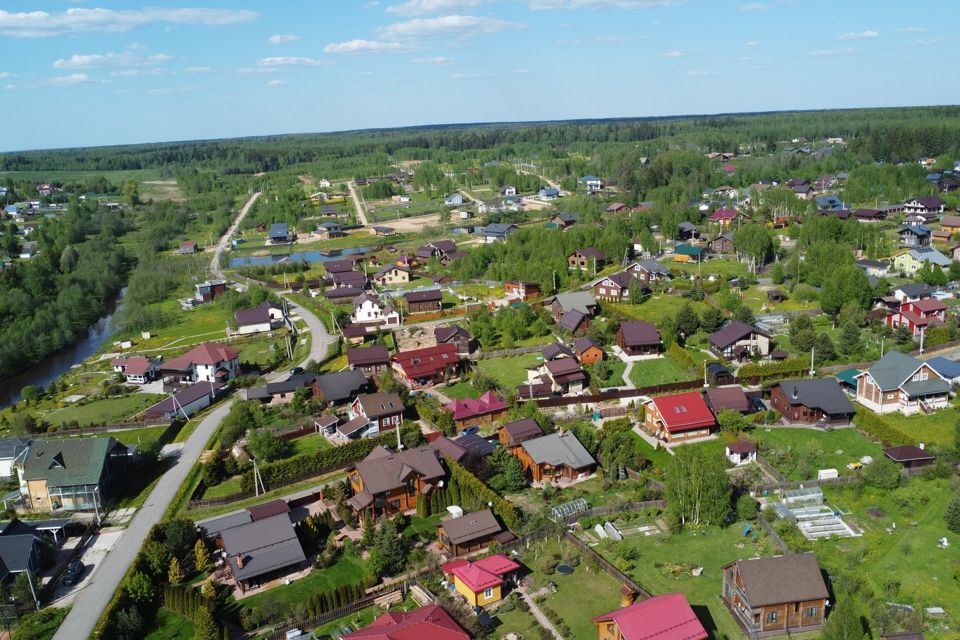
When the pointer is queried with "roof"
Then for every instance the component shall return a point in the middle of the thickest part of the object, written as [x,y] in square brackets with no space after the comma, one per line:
[341,385]
[16,551]
[906,453]
[259,314]
[664,617]
[376,354]
[349,279]
[652,266]
[890,371]
[375,405]
[444,447]
[639,332]
[268,509]
[430,295]
[929,304]
[554,350]
[463,409]
[915,289]
[383,470]
[591,252]
[352,426]
[431,621]
[848,376]
[917,230]
[482,574]
[723,214]
[583,344]
[279,229]
[741,447]
[10,448]
[567,218]
[732,333]
[262,546]
[69,461]
[471,526]
[497,229]
[731,397]
[445,334]
[764,583]
[132,365]
[338,266]
[929,202]
[558,449]
[175,403]
[947,368]
[522,429]
[571,320]
[688,250]
[427,362]
[683,411]
[208,353]
[929,254]
[582,301]
[622,279]
[476,445]
[824,394]
[950,221]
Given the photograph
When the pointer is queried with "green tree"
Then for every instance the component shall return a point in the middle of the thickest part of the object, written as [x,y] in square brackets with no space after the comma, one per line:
[777,274]
[204,626]
[130,192]
[635,293]
[157,557]
[201,555]
[30,394]
[128,624]
[697,488]
[754,244]
[445,423]
[850,342]
[711,319]
[747,507]
[265,445]
[368,537]
[388,553]
[825,349]
[180,535]
[509,475]
[24,587]
[882,473]
[744,314]
[952,515]
[176,575]
[844,621]
[687,321]
[139,588]
[68,259]
[732,421]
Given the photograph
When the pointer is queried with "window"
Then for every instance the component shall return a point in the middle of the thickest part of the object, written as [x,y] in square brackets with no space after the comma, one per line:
[796,607]
[771,617]
[395,504]
[488,593]
[812,612]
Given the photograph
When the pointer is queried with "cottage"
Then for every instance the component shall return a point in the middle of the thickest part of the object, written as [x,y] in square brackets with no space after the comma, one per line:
[370,311]
[663,617]
[869,215]
[909,456]
[740,341]
[470,412]
[582,301]
[207,291]
[555,457]
[187,248]
[649,271]
[186,402]
[616,287]
[638,338]
[618,208]
[818,401]
[913,260]
[688,253]
[730,397]
[926,204]
[898,382]
[280,233]
[511,434]
[592,184]
[369,360]
[329,230]
[588,352]
[562,221]
[918,316]
[564,375]
[392,274]
[280,392]
[456,335]
[875,268]
[72,474]
[262,550]
[912,292]
[741,453]
[764,603]
[520,290]
[372,414]
[349,279]
[385,483]
[453,200]
[338,266]
[678,417]
[574,322]
[480,582]
[208,362]
[548,193]
[722,244]
[508,190]
[497,232]
[687,231]
[424,301]
[340,386]
[589,259]
[724,216]
[431,621]
[914,235]
[471,532]
[135,369]
[428,366]
[381,231]
[262,318]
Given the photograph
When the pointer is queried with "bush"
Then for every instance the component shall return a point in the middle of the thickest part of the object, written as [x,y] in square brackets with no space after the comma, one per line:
[747,507]
[882,430]
[952,516]
[766,370]
[882,474]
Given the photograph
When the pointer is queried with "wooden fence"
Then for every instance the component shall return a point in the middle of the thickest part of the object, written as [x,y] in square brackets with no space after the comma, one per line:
[777,540]
[292,433]
[615,573]
[314,622]
[196,502]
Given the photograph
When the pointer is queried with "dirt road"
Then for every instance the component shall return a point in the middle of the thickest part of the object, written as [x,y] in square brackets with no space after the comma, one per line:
[357,204]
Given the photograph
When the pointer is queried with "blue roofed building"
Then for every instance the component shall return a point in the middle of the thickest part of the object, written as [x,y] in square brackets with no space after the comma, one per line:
[948,369]
[280,233]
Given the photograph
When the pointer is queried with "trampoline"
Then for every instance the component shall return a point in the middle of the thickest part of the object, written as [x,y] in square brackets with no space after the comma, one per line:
[564,569]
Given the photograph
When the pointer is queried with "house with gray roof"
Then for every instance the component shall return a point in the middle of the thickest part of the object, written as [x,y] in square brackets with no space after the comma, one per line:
[898,382]
[818,401]
[262,550]
[472,532]
[385,482]
[280,234]
[555,457]
[582,301]
[20,547]
[340,386]
[10,448]
[497,232]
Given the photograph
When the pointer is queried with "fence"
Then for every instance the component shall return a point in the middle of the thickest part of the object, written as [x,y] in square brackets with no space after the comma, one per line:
[615,573]
[333,614]
[777,540]
[292,433]
[770,469]
[118,426]
[199,503]
[47,590]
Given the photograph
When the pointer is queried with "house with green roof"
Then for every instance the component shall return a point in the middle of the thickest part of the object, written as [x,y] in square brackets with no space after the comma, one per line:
[71,474]
[898,382]
[688,253]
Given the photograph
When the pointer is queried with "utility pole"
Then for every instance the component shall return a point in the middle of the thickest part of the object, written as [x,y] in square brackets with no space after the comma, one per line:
[812,350]
[922,332]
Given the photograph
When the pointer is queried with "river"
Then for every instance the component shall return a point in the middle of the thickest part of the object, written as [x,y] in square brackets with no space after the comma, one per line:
[296,256]
[52,367]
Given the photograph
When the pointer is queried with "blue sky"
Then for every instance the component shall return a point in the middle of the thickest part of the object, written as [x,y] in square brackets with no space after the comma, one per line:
[98,72]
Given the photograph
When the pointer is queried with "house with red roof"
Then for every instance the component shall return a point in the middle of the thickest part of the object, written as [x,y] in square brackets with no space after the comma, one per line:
[135,369]
[664,617]
[918,316]
[431,621]
[678,417]
[473,412]
[724,216]
[480,583]
[208,362]
[428,366]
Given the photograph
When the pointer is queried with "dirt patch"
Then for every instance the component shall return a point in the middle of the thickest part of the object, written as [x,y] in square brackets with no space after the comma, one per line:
[161,190]
[307,181]
[412,225]
[415,338]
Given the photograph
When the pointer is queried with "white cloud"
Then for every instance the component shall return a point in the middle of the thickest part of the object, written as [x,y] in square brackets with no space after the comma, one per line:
[438,60]
[522,72]
[569,43]
[10,87]
[863,35]
[912,30]
[199,69]
[72,79]
[701,72]
[547,5]
[362,46]
[673,54]
[282,39]
[424,7]
[452,25]
[754,7]
[40,24]
[256,71]
[290,61]
[827,53]
[110,60]
[5,74]
[751,44]
[276,83]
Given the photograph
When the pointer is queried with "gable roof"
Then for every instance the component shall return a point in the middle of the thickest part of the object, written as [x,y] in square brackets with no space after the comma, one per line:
[681,411]
[555,350]
[639,332]
[262,546]
[471,526]
[571,320]
[583,344]
[279,230]
[732,333]
[523,429]
[591,252]
[69,461]
[431,621]
[375,405]
[893,369]
[665,617]
[259,314]
[728,398]
[652,266]
[383,470]
[818,393]
[362,356]
[428,361]
[558,449]
[445,334]
[947,368]
[338,266]
[132,365]
[764,584]
[430,295]
[582,301]
[340,385]
[10,448]
[208,353]
[463,409]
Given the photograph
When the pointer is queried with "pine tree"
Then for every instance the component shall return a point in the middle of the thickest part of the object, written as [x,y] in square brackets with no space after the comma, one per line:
[175,575]
[434,503]
[201,555]
[421,505]
[368,531]
[205,627]
[952,515]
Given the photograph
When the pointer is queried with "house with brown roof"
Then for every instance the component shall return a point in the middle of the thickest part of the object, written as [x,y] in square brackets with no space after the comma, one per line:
[818,401]
[722,244]
[638,338]
[563,375]
[909,456]
[372,414]
[588,351]
[740,453]
[511,434]
[135,369]
[740,341]
[392,274]
[208,362]
[457,335]
[385,483]
[589,259]
[424,301]
[616,287]
[471,532]
[370,360]
[427,366]
[776,595]
[730,397]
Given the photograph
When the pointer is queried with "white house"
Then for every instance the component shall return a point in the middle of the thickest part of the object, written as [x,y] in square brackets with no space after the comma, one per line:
[264,317]
[453,200]
[187,402]
[324,183]
[208,362]
[548,193]
[508,190]
[592,184]
[136,369]
[367,309]
[740,453]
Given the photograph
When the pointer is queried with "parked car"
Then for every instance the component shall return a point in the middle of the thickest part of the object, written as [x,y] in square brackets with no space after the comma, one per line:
[296,371]
[73,573]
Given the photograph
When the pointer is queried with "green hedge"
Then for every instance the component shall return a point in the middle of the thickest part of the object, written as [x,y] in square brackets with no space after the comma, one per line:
[882,430]
[681,357]
[474,495]
[765,370]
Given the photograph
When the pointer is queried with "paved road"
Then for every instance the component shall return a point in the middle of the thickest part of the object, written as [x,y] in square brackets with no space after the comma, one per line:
[225,240]
[91,602]
[361,210]
[319,342]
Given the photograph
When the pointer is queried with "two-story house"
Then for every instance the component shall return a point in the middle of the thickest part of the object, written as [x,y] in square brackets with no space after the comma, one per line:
[589,259]
[208,362]
[424,367]
[369,310]
[369,360]
[663,617]
[424,301]
[918,316]
[135,369]
[924,205]
[648,272]
[385,482]
[898,382]
[678,417]
[392,274]
[616,286]
[739,341]
[372,414]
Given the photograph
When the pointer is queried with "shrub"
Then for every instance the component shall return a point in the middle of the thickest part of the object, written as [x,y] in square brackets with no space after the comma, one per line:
[747,507]
[952,515]
[882,430]
[882,474]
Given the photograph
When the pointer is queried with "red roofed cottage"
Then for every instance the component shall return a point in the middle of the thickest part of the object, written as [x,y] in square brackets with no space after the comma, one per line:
[678,417]
[472,412]
[666,617]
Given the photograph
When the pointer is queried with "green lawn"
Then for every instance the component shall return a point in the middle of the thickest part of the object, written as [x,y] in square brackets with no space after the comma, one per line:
[710,548]
[936,428]
[107,410]
[799,453]
[170,626]
[510,371]
[228,487]
[145,437]
[659,457]
[517,621]
[615,377]
[654,309]
[647,373]
[309,444]
[260,352]
[424,527]
[346,570]
[461,390]
[206,322]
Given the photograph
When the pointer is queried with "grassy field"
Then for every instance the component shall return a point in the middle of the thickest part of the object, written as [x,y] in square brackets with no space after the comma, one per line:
[346,570]
[107,410]
[517,621]
[936,428]
[461,390]
[205,322]
[114,177]
[509,371]
[260,352]
[309,444]
[170,626]
[654,309]
[646,373]
[904,564]
[659,457]
[799,453]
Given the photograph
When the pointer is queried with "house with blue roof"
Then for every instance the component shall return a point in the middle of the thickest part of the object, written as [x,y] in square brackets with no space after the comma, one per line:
[948,369]
[549,193]
[280,234]
[914,235]
[829,203]
[592,184]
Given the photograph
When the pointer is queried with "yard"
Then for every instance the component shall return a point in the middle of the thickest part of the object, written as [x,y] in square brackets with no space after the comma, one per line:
[170,626]
[647,373]
[654,309]
[309,444]
[107,410]
[800,453]
[936,428]
[360,619]
[206,322]
[347,570]
[461,390]
[509,371]
[260,352]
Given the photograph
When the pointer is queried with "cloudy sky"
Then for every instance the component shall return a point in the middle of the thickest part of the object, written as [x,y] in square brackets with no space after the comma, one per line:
[98,72]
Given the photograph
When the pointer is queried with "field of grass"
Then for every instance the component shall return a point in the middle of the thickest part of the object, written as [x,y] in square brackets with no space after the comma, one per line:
[145,437]
[107,410]
[710,548]
[346,570]
[260,352]
[205,322]
[309,444]
[659,457]
[114,177]
[518,621]
[936,428]
[170,626]
[799,453]
[461,390]
[654,309]
[903,564]
[509,371]
[647,373]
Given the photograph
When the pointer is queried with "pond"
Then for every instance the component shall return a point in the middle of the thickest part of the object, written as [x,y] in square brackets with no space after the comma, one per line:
[296,256]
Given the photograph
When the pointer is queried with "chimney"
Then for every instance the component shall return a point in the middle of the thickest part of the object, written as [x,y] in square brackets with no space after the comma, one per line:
[240,561]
